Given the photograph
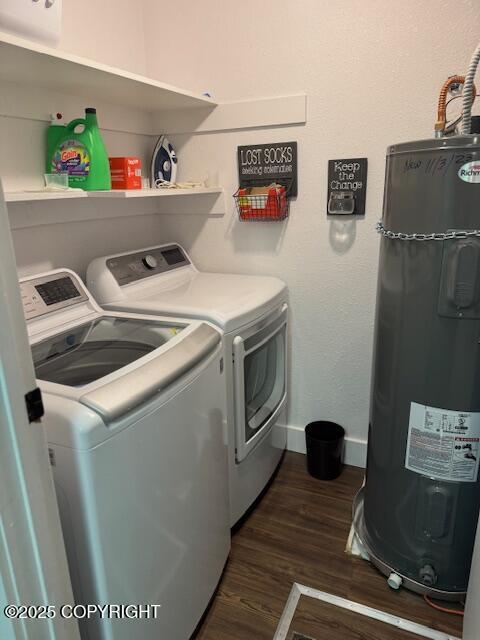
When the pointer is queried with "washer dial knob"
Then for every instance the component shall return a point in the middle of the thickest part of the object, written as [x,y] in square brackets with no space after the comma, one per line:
[150,261]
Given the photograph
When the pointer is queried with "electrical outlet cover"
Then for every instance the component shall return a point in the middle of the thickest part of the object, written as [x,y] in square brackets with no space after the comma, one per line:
[34,19]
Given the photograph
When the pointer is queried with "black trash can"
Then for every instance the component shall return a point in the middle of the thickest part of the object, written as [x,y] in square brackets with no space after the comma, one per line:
[324,449]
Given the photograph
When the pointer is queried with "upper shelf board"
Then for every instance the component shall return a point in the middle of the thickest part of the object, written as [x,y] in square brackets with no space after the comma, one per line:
[154,193]
[37,196]
[26,62]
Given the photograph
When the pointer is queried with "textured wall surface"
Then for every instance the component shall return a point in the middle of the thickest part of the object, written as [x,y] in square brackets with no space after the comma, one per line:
[372,71]
[109,31]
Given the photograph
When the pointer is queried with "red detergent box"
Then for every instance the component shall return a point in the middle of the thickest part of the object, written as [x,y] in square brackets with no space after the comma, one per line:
[126,173]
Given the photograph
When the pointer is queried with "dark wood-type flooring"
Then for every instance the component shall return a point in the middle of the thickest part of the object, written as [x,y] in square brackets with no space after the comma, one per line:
[298,533]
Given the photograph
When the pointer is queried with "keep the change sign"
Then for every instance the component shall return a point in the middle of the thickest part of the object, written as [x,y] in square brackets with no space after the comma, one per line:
[347,183]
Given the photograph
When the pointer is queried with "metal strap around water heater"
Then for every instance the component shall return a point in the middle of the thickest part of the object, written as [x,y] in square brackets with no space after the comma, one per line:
[423,237]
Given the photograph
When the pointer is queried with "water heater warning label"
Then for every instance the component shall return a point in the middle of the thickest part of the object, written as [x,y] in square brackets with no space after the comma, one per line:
[443,444]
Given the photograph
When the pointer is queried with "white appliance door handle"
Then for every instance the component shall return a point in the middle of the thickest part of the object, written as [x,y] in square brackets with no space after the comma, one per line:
[125,393]
[239,393]
[264,335]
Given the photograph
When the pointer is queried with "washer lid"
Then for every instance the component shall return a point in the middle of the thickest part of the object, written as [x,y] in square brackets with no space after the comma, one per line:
[227,300]
[136,387]
[96,363]
[93,350]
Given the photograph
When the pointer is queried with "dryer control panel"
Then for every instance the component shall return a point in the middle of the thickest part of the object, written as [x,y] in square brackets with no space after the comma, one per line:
[45,294]
[143,264]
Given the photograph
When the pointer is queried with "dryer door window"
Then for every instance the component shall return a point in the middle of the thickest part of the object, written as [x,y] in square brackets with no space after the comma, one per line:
[260,382]
[264,383]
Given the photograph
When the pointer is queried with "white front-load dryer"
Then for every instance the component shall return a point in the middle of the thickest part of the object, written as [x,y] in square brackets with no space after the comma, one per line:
[135,414]
[252,313]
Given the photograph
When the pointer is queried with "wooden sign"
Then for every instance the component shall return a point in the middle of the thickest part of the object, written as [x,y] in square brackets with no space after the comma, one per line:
[262,164]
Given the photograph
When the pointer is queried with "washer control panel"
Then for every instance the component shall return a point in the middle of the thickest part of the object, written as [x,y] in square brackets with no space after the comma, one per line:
[143,264]
[45,294]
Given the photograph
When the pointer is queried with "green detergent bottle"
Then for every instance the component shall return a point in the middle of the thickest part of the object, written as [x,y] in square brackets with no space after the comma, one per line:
[82,154]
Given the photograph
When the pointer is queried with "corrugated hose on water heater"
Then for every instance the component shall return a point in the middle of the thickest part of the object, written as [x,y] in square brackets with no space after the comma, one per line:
[441,126]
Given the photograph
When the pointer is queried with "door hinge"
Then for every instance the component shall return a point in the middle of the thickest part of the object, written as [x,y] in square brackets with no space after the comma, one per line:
[34,403]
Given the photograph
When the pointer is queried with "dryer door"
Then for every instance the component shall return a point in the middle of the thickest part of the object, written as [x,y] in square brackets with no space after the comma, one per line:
[260,359]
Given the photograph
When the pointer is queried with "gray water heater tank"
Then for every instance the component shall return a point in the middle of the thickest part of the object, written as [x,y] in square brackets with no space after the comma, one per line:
[418,512]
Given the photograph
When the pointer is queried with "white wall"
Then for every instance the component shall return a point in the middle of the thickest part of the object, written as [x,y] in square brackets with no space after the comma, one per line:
[109,31]
[372,70]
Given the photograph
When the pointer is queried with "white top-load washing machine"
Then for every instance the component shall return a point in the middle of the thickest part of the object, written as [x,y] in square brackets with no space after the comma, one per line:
[252,312]
[135,420]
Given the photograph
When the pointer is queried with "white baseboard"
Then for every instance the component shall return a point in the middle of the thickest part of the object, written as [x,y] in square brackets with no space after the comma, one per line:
[355,449]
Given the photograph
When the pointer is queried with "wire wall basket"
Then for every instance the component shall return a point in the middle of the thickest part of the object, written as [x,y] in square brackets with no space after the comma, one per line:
[262,204]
